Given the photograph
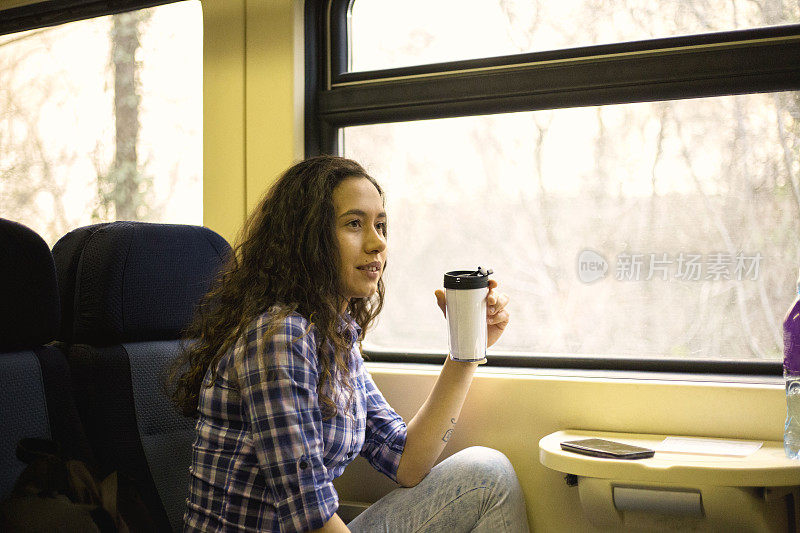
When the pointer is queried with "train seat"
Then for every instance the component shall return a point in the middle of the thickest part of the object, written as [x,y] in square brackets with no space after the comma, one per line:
[133,287]
[67,255]
[36,397]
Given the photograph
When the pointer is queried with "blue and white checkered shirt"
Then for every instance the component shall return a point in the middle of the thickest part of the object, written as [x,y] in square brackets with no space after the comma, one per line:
[263,458]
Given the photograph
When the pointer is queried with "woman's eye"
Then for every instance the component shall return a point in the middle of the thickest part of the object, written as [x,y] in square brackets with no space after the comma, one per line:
[357,224]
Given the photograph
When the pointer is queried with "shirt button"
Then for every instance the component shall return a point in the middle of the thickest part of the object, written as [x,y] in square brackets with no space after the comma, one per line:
[304,464]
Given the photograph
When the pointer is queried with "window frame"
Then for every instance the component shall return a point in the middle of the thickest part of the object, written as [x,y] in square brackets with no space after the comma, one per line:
[691,66]
[55,12]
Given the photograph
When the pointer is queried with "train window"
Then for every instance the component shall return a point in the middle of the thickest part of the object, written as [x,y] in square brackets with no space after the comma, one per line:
[101,119]
[630,171]
[389,34]
[655,229]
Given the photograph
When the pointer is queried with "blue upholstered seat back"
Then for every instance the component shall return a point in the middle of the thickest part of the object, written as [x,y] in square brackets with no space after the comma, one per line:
[135,289]
[35,388]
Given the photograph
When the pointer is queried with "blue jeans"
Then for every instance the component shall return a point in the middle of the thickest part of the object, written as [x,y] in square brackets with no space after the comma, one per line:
[475,489]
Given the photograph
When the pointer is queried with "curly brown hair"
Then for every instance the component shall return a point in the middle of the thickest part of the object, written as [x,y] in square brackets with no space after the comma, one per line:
[286,255]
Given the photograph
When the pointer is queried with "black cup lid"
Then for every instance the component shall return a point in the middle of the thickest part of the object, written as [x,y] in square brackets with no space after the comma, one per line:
[467,279]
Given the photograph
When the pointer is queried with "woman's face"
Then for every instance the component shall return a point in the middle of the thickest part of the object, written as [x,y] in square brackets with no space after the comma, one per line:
[361,236]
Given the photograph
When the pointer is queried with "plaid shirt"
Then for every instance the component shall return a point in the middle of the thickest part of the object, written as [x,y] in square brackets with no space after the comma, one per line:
[263,458]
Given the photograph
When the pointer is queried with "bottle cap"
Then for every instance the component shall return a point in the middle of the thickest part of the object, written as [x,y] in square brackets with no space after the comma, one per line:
[467,279]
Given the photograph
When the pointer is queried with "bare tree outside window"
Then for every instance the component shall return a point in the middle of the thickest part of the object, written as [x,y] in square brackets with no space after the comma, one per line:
[101,120]
[122,192]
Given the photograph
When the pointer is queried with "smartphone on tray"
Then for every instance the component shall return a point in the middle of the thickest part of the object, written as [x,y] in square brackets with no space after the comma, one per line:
[606,448]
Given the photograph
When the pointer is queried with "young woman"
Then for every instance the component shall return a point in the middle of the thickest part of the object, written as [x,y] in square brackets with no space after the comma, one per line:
[283,399]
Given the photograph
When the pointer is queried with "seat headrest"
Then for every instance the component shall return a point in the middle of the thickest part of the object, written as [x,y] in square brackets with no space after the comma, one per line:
[29,306]
[134,281]
[67,252]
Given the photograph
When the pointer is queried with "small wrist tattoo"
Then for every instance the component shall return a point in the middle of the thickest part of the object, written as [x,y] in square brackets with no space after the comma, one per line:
[449,432]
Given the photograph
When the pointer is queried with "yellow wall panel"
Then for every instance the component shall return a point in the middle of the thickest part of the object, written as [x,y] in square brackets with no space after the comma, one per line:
[252,103]
[224,143]
[511,410]
[271,87]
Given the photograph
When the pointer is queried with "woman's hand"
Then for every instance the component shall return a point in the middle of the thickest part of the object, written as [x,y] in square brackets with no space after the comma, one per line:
[496,315]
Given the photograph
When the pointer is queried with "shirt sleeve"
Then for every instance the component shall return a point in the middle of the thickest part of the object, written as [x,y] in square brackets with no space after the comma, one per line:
[385,435]
[278,379]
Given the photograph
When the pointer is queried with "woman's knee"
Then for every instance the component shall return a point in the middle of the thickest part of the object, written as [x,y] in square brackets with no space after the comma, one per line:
[485,461]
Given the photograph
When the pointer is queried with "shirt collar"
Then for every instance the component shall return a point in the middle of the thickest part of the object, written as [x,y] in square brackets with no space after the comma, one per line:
[349,326]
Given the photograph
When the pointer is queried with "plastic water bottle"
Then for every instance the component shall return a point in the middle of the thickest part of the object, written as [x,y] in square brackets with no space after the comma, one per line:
[791,373]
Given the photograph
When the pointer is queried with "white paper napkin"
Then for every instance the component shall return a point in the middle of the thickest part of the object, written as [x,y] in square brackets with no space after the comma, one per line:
[696,446]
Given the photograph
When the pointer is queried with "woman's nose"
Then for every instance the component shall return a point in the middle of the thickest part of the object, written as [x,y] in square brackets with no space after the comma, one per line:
[376,240]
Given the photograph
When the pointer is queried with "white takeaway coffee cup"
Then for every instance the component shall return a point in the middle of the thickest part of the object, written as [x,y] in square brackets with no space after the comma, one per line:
[465,292]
